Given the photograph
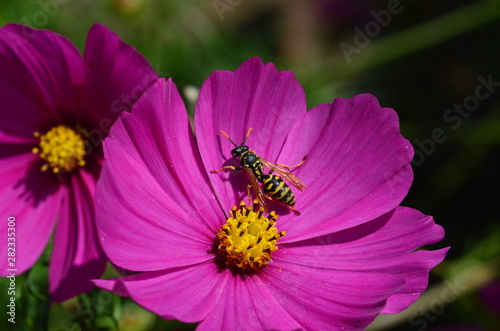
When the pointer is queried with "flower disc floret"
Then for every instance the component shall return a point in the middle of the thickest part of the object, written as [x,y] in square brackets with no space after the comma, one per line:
[62,148]
[248,239]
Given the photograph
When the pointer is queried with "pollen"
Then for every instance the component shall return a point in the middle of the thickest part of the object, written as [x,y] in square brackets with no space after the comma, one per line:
[62,148]
[248,238]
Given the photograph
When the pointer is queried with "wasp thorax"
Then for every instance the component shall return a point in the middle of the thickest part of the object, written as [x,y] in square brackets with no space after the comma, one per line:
[250,158]
[248,239]
[62,148]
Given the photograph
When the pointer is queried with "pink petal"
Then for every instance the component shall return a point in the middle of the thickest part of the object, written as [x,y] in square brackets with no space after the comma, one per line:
[77,256]
[41,78]
[415,269]
[187,294]
[385,245]
[254,96]
[329,299]
[152,182]
[118,75]
[247,304]
[33,197]
[358,166]
[8,150]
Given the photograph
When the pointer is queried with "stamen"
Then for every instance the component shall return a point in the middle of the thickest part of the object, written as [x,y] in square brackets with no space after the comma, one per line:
[255,204]
[248,239]
[62,148]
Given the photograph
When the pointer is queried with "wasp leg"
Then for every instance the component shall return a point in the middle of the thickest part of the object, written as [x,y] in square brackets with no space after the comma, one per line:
[294,166]
[284,205]
[259,196]
[249,194]
[225,168]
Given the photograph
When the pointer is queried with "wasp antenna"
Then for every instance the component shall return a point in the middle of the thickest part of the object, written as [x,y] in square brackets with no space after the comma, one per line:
[226,135]
[247,135]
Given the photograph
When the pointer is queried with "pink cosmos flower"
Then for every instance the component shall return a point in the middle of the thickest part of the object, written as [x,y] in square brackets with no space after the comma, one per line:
[350,255]
[56,106]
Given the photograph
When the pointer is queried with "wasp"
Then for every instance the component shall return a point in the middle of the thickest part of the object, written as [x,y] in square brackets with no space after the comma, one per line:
[273,187]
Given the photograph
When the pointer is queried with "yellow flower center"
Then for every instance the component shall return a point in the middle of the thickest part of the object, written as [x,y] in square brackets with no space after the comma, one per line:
[248,238]
[62,148]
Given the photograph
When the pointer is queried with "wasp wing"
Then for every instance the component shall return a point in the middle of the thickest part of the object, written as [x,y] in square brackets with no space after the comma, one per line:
[285,174]
[257,189]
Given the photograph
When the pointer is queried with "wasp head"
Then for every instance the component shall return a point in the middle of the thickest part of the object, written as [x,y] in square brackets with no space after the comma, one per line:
[239,150]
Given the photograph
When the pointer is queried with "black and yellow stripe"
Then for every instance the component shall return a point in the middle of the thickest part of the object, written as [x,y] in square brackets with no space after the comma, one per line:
[277,189]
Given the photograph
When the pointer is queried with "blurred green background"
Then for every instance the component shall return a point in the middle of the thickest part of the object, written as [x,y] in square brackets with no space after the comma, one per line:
[423,58]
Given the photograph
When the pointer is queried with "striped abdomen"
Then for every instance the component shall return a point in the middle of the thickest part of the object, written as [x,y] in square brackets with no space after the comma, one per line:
[277,189]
